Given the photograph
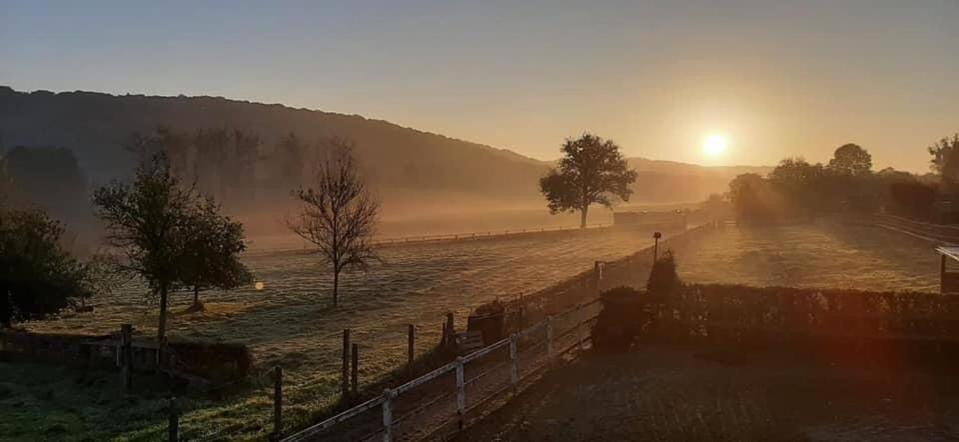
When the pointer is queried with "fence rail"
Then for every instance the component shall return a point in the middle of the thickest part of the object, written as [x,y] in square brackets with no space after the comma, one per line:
[446,398]
[933,232]
[467,236]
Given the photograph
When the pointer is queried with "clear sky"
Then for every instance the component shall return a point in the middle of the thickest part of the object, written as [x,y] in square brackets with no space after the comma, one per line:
[775,78]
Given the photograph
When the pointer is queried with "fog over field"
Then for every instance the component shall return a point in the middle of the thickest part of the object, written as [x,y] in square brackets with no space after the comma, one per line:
[492,221]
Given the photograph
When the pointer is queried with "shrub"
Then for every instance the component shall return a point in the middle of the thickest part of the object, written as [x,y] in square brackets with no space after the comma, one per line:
[622,319]
[663,279]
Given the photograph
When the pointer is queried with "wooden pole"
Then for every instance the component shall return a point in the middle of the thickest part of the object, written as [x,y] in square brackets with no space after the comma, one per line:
[942,275]
[345,386]
[277,402]
[450,333]
[173,428]
[388,396]
[514,363]
[410,346]
[126,338]
[460,392]
[355,370]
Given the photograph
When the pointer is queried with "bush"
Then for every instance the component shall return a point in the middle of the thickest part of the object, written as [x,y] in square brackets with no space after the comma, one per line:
[217,362]
[663,279]
[622,320]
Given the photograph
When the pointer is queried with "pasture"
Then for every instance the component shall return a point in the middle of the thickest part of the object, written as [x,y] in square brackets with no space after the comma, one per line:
[290,322]
[826,254]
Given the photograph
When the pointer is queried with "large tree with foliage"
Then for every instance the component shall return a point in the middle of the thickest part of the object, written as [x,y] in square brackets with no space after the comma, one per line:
[945,159]
[338,213]
[591,171]
[803,185]
[212,245]
[38,278]
[851,159]
[148,220]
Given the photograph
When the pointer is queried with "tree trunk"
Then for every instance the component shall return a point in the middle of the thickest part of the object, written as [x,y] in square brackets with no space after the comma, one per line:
[161,328]
[336,287]
[582,219]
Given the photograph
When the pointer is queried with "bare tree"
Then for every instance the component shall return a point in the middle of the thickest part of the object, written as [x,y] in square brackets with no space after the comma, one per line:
[338,214]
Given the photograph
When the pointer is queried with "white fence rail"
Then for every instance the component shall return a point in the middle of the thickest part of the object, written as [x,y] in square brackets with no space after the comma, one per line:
[447,399]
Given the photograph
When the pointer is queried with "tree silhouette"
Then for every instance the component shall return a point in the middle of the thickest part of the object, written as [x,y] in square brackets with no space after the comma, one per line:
[38,278]
[590,172]
[147,221]
[851,159]
[211,249]
[338,213]
[945,160]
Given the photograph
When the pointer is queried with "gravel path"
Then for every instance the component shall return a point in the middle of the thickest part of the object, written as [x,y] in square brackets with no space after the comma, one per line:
[660,394]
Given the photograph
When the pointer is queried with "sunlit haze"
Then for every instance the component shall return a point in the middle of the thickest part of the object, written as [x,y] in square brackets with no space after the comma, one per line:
[784,78]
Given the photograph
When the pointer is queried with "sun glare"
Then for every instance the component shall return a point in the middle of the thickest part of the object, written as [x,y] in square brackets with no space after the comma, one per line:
[714,145]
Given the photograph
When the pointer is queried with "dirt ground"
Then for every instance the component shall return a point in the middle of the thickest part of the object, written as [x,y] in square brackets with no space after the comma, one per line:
[669,394]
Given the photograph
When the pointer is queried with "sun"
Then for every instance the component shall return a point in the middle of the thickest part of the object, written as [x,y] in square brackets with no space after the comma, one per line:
[714,145]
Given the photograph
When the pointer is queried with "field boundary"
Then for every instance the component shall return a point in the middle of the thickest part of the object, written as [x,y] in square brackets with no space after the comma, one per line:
[540,344]
[445,237]
[431,404]
[938,233]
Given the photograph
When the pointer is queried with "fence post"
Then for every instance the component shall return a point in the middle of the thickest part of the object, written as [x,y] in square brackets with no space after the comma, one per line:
[451,329]
[388,396]
[579,328]
[345,387]
[173,428]
[277,402]
[126,339]
[460,392]
[549,339]
[514,362]
[597,275]
[411,346]
[355,370]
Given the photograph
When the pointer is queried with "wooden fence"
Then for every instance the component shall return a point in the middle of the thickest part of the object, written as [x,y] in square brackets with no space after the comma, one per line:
[932,232]
[446,399]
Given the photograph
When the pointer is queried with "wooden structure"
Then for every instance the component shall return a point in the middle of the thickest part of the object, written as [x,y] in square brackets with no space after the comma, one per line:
[948,281]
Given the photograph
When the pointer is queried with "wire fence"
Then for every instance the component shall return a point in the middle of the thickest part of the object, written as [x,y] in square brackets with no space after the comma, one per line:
[445,400]
[466,236]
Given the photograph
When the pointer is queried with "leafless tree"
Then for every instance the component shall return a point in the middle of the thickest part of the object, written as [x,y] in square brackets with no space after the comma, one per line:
[338,214]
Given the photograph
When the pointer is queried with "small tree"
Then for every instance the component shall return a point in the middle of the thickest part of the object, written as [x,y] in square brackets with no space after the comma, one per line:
[37,277]
[211,251]
[338,214]
[147,220]
[591,170]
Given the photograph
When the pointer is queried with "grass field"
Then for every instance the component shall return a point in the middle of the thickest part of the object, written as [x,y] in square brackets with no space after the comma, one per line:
[813,255]
[291,324]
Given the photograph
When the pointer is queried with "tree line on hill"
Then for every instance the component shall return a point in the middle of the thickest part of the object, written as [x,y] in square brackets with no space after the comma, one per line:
[797,189]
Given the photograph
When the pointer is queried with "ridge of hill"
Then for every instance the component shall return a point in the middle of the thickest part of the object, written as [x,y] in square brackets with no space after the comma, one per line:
[403,163]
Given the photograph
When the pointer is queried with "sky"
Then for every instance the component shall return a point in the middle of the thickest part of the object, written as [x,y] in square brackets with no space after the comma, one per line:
[775,79]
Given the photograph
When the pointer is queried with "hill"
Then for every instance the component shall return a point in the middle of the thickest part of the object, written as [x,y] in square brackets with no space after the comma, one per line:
[412,170]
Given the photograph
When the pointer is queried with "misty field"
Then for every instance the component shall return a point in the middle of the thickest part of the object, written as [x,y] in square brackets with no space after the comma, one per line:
[290,322]
[826,254]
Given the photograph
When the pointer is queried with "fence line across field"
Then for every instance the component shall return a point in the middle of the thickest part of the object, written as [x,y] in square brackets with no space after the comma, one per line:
[530,351]
[413,239]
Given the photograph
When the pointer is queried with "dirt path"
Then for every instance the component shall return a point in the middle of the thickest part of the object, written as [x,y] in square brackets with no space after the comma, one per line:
[658,394]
